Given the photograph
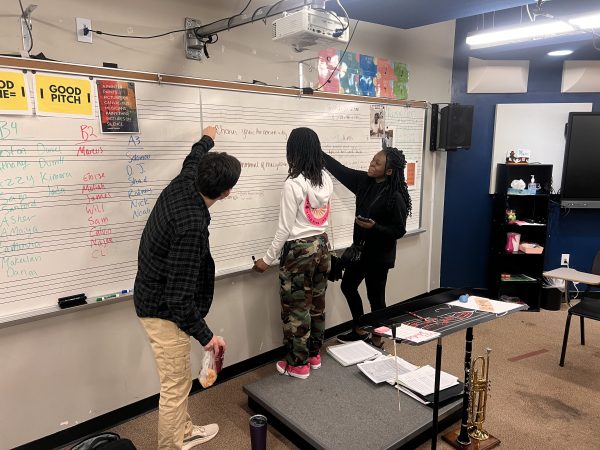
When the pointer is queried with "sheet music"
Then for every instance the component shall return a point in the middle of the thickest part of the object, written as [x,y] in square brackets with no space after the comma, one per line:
[422,380]
[353,352]
[384,369]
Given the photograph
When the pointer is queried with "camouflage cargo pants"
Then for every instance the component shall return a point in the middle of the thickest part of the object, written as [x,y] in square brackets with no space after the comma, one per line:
[303,271]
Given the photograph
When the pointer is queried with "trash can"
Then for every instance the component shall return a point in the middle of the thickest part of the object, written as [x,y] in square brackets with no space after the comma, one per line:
[551,298]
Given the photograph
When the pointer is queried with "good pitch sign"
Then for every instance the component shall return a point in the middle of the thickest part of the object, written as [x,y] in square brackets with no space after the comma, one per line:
[63,96]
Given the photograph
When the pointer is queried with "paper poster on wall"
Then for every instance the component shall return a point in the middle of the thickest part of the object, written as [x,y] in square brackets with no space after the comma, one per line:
[63,96]
[328,62]
[377,121]
[388,137]
[118,108]
[14,98]
[410,174]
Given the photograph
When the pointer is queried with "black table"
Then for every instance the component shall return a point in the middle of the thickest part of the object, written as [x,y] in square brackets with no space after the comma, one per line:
[445,319]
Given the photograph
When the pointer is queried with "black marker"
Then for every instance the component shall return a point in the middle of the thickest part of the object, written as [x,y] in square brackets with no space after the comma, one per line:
[253,259]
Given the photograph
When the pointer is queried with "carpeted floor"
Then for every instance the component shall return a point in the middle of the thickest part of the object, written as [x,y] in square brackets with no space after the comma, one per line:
[533,403]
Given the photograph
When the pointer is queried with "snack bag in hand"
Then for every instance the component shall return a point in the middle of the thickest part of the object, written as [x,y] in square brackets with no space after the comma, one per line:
[208,374]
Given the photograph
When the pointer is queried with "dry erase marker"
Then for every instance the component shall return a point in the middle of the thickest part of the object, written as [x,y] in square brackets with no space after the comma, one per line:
[126,291]
[107,297]
[253,259]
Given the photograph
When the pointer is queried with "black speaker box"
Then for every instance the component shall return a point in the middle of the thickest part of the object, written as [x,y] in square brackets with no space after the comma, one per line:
[456,125]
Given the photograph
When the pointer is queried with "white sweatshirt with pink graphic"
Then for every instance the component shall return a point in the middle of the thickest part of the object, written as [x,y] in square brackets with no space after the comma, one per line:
[304,212]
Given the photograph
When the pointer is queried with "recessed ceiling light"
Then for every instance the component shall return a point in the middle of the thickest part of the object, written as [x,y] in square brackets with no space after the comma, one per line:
[560,53]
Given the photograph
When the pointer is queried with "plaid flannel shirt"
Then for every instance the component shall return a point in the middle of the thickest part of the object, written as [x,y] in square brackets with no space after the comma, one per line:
[176,272]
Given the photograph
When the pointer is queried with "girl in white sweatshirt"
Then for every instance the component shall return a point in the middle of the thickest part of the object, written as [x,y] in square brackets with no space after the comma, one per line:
[301,245]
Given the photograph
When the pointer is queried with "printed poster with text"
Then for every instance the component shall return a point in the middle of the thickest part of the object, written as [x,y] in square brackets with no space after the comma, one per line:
[118,108]
[14,98]
[63,96]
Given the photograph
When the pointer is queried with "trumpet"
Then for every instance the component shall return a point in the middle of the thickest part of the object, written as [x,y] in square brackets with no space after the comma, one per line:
[480,385]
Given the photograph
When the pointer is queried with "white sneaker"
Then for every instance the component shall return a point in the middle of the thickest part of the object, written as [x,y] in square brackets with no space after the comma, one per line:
[200,434]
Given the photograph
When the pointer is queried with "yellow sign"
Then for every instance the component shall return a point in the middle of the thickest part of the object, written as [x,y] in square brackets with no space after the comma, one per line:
[13,92]
[57,96]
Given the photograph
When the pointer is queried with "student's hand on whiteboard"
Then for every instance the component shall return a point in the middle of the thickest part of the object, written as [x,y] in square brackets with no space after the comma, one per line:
[367,224]
[260,265]
[210,131]
[216,344]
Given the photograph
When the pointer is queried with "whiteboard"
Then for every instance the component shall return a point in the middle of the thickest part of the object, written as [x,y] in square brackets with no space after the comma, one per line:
[71,220]
[254,128]
[537,127]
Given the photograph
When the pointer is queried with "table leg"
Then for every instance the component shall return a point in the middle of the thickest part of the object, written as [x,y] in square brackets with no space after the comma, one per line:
[436,393]
[567,300]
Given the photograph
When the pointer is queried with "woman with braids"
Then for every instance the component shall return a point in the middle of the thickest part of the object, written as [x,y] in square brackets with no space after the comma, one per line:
[302,246]
[382,205]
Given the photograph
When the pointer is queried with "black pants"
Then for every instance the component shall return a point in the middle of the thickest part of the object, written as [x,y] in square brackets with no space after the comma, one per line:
[375,276]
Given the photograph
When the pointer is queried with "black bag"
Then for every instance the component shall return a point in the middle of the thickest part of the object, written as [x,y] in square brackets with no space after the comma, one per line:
[352,255]
[104,441]
[337,268]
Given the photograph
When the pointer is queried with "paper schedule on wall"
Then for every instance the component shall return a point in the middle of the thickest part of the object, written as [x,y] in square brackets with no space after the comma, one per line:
[14,98]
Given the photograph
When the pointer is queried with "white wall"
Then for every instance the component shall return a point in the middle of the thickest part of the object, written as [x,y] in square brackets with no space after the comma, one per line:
[61,371]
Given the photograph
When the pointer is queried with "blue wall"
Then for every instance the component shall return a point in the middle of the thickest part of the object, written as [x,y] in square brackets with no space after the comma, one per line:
[468,206]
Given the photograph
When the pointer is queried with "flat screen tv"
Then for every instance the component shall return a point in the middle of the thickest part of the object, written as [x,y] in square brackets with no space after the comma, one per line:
[581,168]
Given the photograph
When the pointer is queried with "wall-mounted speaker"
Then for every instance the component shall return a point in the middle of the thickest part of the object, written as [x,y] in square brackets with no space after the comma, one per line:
[455,126]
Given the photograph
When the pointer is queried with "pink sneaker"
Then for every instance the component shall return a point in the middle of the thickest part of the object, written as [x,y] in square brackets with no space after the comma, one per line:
[293,371]
[315,362]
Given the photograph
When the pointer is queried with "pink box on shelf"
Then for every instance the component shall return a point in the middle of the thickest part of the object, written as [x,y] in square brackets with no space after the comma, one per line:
[531,248]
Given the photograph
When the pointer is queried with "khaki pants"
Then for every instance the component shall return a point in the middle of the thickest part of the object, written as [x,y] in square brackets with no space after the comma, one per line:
[171,348]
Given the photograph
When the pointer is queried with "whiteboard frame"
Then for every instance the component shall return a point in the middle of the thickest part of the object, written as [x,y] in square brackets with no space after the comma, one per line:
[120,74]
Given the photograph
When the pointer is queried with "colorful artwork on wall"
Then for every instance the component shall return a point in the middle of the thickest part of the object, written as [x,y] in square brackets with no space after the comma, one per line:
[358,74]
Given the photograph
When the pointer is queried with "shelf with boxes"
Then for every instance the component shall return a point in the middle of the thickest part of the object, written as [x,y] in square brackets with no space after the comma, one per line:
[519,232]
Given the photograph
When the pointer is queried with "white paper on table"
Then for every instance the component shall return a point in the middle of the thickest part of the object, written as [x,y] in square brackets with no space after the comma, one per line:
[411,394]
[383,368]
[415,334]
[422,380]
[485,304]
[352,353]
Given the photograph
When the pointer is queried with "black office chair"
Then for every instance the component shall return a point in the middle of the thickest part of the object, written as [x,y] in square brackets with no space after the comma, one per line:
[588,307]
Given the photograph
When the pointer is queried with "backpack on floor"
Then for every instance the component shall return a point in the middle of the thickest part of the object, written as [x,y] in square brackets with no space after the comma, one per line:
[104,441]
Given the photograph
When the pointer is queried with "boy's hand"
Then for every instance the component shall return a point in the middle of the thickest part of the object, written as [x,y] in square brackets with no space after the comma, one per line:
[210,131]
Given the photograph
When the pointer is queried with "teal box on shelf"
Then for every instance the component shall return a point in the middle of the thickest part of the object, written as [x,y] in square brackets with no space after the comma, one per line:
[513,191]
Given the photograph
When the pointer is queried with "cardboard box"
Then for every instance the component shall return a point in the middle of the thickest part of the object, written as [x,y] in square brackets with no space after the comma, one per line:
[534,249]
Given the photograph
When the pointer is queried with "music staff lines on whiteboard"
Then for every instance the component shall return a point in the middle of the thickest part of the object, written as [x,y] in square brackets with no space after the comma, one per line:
[171,119]
[73,284]
[35,248]
[18,203]
[159,184]
[87,192]
[77,273]
[89,231]
[346,114]
[90,279]
[80,274]
[244,222]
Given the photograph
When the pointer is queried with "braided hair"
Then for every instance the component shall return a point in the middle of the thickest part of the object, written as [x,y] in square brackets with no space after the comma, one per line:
[304,155]
[396,161]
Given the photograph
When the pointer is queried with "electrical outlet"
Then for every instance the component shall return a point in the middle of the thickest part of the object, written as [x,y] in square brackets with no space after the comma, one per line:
[564,259]
[79,30]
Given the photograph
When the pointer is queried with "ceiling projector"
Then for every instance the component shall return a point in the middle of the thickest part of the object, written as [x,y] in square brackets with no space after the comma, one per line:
[308,27]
